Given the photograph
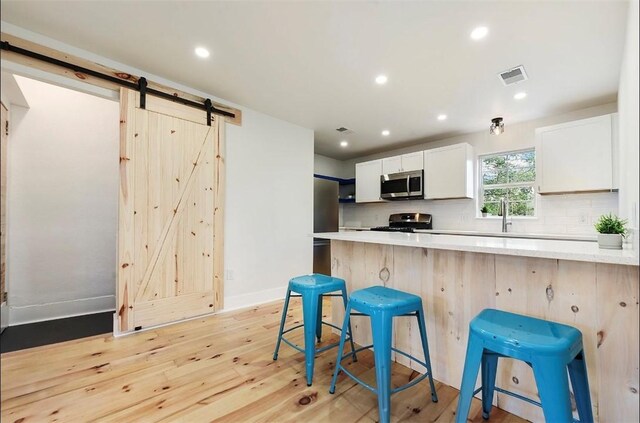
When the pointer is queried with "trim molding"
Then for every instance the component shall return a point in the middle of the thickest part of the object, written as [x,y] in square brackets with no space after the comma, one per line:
[237,302]
[19,315]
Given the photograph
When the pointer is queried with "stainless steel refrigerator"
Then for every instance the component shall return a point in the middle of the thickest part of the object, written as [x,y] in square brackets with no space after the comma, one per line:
[325,219]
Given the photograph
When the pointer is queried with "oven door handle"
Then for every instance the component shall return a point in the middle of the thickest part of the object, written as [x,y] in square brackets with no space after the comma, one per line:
[408,185]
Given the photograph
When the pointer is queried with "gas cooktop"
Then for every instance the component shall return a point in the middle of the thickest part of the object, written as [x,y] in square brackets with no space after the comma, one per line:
[391,229]
[406,222]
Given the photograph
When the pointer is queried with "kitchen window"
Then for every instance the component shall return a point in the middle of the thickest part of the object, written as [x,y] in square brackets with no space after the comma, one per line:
[511,176]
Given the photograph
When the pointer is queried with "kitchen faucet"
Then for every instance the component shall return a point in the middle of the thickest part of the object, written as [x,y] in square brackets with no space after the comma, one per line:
[503,213]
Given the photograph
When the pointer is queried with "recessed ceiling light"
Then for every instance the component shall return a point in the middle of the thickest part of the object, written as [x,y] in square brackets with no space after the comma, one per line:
[479,33]
[385,133]
[343,144]
[202,52]
[442,117]
[381,79]
[520,96]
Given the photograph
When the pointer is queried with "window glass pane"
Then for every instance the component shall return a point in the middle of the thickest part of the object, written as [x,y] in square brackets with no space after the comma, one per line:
[494,170]
[521,194]
[494,194]
[493,208]
[521,208]
[521,167]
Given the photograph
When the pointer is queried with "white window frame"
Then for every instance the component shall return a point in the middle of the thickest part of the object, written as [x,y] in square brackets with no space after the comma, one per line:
[509,185]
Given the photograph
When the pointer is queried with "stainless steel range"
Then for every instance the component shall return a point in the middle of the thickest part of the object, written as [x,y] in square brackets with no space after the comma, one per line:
[406,222]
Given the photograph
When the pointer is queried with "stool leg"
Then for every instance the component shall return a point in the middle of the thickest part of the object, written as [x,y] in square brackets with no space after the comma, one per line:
[382,330]
[319,319]
[345,324]
[353,348]
[472,363]
[425,349]
[580,384]
[553,386]
[310,314]
[489,369]
[282,320]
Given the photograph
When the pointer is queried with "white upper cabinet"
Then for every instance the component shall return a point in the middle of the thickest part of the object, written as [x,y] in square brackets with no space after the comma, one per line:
[368,181]
[448,172]
[403,163]
[576,156]
[391,165]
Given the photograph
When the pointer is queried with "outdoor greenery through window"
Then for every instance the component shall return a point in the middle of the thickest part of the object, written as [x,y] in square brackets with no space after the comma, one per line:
[510,176]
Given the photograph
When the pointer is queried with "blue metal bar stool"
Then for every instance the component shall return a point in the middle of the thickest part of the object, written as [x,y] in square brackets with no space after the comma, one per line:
[382,305]
[312,288]
[548,347]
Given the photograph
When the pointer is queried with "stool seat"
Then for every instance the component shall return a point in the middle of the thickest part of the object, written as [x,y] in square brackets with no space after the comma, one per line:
[376,298]
[524,335]
[551,349]
[315,282]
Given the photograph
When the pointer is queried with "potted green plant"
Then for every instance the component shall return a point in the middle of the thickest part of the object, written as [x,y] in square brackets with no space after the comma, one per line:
[484,210]
[611,229]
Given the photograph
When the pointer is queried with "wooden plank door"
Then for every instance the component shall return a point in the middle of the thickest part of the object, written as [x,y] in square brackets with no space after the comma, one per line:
[170,213]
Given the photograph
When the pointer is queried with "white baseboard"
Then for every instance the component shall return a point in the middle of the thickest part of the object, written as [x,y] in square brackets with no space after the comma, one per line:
[254,298]
[60,310]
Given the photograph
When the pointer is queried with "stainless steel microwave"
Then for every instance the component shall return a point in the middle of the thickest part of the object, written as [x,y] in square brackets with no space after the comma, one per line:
[402,186]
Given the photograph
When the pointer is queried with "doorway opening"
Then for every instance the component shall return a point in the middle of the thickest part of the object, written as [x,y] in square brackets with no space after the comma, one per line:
[61,201]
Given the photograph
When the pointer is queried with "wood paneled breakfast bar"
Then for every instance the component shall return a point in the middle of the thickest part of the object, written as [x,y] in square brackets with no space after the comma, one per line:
[571,282]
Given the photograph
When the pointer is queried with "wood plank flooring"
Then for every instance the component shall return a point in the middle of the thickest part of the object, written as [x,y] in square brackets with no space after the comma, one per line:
[215,368]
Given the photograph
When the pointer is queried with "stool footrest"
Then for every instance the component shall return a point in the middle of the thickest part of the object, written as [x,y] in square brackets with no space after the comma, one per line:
[513,394]
[318,350]
[375,390]
[410,357]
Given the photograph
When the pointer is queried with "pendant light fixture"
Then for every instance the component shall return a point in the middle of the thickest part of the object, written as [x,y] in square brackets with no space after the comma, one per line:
[497,126]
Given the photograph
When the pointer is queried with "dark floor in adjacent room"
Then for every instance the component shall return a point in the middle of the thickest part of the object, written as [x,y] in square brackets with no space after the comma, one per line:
[32,335]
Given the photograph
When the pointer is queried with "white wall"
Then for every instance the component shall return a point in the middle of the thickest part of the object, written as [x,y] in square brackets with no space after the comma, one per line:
[269,208]
[327,166]
[573,213]
[62,204]
[628,121]
[268,212]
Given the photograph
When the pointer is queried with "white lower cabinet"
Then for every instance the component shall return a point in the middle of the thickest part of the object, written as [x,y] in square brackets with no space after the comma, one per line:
[448,172]
[576,156]
[368,181]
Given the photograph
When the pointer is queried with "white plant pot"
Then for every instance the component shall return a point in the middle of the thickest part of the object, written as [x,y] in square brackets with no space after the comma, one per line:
[610,241]
[484,215]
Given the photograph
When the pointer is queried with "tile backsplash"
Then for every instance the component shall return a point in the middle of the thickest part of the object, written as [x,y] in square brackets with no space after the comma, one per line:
[555,214]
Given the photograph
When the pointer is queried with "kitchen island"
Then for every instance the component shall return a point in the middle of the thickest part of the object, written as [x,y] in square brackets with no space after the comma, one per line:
[570,282]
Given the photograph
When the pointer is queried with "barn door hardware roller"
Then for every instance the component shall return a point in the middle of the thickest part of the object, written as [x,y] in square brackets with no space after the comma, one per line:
[141,86]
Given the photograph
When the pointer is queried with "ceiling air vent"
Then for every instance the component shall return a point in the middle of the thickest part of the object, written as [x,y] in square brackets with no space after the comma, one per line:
[513,76]
[345,131]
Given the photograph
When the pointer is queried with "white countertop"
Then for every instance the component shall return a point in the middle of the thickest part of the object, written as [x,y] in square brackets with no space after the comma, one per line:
[563,237]
[543,248]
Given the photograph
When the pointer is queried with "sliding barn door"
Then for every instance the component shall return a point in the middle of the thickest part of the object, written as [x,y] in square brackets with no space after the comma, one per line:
[170,217]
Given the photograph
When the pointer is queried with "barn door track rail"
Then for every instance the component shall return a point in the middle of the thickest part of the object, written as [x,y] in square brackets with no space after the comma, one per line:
[142,86]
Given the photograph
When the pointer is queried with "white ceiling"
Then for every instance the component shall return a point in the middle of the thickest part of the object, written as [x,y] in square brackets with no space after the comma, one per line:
[314,63]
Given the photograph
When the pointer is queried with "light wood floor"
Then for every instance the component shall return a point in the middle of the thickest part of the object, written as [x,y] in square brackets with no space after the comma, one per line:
[215,368]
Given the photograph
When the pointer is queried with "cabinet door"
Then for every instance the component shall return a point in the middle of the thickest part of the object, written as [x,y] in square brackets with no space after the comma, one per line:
[391,165]
[448,172]
[368,181]
[575,156]
[412,161]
